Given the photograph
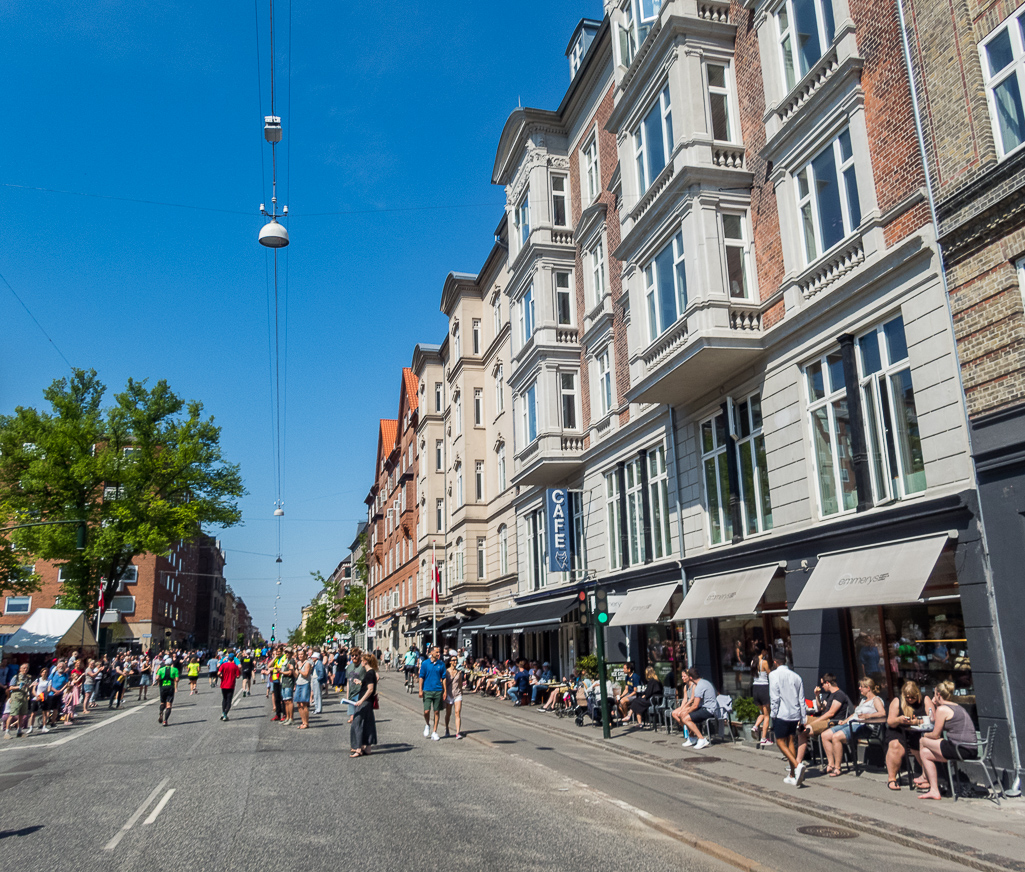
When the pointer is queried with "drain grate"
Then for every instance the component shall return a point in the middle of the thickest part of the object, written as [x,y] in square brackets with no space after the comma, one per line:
[821,832]
[694,761]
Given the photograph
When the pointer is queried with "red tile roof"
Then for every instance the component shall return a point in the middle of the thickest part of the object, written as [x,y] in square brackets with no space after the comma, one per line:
[388,431]
[412,385]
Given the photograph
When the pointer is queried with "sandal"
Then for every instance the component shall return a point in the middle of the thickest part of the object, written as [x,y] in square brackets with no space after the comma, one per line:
[892,784]
[356,754]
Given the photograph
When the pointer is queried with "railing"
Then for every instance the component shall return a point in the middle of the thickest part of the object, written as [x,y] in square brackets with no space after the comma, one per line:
[666,343]
[566,335]
[812,82]
[572,443]
[833,268]
[529,451]
[657,186]
[711,11]
[728,156]
[562,237]
[745,318]
[603,427]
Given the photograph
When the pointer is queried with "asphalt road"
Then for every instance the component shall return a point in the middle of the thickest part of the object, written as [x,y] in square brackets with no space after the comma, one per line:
[120,791]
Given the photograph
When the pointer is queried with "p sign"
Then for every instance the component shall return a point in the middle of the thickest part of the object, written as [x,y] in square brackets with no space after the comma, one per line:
[559,545]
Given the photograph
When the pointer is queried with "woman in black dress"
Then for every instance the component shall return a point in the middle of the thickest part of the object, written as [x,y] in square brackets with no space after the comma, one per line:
[641,702]
[363,732]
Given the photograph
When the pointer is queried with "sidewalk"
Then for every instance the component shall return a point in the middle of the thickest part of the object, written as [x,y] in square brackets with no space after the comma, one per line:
[973,832]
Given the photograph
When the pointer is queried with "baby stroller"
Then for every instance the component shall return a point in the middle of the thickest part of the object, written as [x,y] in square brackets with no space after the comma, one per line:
[586,707]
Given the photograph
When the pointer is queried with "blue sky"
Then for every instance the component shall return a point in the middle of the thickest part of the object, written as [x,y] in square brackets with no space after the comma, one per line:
[389,111]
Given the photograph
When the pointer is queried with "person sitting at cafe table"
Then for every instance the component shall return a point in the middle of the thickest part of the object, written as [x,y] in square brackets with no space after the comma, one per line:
[698,706]
[960,742]
[907,711]
[519,685]
[642,700]
[630,686]
[869,711]
[541,683]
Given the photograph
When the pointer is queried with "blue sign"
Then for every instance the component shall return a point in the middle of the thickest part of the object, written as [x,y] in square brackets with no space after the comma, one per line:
[560,547]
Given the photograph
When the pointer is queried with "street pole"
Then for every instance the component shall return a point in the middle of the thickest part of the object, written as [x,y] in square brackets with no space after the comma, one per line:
[434,593]
[599,637]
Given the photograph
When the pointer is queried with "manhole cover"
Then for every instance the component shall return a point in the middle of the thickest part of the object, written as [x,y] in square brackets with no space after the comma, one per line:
[694,761]
[820,832]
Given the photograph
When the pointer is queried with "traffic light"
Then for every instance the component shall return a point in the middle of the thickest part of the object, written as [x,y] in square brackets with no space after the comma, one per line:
[272,632]
[601,605]
[584,617]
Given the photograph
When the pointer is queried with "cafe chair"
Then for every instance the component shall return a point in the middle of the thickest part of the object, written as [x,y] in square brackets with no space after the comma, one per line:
[984,761]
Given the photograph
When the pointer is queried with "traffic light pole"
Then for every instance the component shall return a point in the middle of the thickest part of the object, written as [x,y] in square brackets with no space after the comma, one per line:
[599,637]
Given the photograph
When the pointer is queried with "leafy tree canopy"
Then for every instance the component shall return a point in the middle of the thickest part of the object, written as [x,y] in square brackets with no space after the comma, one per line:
[142,473]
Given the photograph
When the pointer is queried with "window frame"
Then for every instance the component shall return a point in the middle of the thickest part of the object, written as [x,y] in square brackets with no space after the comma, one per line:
[597,272]
[713,456]
[653,302]
[605,399]
[658,500]
[482,545]
[743,243]
[825,19]
[499,388]
[642,154]
[503,549]
[521,219]
[570,395]
[475,332]
[613,520]
[749,442]
[502,480]
[1015,69]
[725,91]
[848,197]
[591,177]
[529,414]
[478,407]
[846,500]
[563,294]
[478,480]
[17,611]
[560,196]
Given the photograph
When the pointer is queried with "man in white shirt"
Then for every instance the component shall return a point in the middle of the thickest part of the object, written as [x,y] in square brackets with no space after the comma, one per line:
[789,716]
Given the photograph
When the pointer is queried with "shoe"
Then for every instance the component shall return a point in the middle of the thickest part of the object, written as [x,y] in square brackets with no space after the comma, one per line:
[702,744]
[46,729]
[434,737]
[459,735]
[7,734]
[799,772]
[766,742]
[28,732]
[19,735]
[754,731]
[222,717]
[164,723]
[275,718]
[427,731]
[690,743]
[225,717]
[790,780]
[447,734]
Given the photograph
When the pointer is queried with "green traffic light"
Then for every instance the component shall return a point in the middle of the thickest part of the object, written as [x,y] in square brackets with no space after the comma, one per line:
[603,617]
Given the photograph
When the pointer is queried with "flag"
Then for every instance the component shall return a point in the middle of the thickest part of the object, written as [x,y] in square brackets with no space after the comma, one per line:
[435,579]
[99,605]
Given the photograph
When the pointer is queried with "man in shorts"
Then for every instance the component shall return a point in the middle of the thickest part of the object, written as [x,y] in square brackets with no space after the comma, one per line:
[18,700]
[247,664]
[167,681]
[432,687]
[699,706]
[229,673]
[211,666]
[789,717]
[289,673]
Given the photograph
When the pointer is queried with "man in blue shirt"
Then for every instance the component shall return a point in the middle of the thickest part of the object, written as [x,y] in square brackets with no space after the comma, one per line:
[520,684]
[432,677]
[541,683]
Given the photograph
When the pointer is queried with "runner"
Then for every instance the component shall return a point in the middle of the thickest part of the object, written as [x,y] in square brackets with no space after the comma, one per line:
[229,673]
[192,670]
[277,664]
[211,666]
[167,681]
[247,672]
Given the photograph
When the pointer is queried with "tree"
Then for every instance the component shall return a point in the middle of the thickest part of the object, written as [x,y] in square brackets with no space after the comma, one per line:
[142,474]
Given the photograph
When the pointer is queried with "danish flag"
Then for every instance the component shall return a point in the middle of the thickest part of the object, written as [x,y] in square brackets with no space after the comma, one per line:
[435,579]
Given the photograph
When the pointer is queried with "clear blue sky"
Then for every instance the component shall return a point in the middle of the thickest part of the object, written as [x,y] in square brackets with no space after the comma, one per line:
[389,110]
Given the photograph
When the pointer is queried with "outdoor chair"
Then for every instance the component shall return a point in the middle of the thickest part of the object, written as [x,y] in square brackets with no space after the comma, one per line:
[984,760]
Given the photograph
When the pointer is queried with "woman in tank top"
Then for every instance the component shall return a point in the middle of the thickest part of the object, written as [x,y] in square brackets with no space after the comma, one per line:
[760,669]
[961,741]
[907,711]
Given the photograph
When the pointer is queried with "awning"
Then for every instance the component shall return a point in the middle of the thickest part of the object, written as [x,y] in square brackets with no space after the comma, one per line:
[46,629]
[423,626]
[644,606]
[895,572]
[729,593]
[476,625]
[532,618]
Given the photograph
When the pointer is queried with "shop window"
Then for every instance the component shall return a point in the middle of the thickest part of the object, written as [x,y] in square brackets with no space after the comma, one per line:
[717,480]
[740,639]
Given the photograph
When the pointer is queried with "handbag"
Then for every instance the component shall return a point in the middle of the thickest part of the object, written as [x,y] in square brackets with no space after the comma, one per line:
[376,705]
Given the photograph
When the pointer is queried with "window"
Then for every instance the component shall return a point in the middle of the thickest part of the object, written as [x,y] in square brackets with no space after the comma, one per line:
[527,316]
[665,287]
[475,332]
[627,38]
[521,219]
[478,480]
[604,383]
[805,31]
[831,434]
[737,256]
[592,180]
[530,414]
[456,343]
[437,396]
[1003,67]
[537,570]
[18,605]
[563,309]
[717,481]
[576,55]
[478,407]
[559,201]
[635,512]
[827,197]
[481,555]
[755,507]
[597,259]
[501,467]
[503,550]
[613,519]
[653,141]
[568,393]
[499,388]
[460,560]
[719,103]
[891,415]
[578,560]
[457,403]
[658,500]
[439,515]
[498,314]
[439,455]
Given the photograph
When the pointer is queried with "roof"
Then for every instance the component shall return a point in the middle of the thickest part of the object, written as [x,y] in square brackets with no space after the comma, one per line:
[411,384]
[45,629]
[388,430]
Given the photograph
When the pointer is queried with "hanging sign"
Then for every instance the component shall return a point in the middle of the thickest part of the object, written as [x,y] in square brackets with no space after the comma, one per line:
[559,544]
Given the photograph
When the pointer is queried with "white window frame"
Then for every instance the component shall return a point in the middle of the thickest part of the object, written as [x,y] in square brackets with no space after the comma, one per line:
[562,287]
[756,507]
[635,517]
[478,480]
[568,395]
[1014,25]
[613,520]
[591,176]
[475,332]
[438,397]
[499,388]
[642,153]
[482,557]
[456,343]
[521,219]
[806,189]
[742,244]
[526,308]
[478,407]
[534,541]
[652,279]
[16,602]
[501,467]
[605,400]
[529,414]
[840,451]
[560,196]
[597,273]
[658,500]
[795,70]
[714,441]
[439,455]
[503,550]
[459,486]
[724,91]
[439,514]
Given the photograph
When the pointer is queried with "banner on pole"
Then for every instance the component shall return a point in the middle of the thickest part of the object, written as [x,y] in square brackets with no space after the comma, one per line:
[560,547]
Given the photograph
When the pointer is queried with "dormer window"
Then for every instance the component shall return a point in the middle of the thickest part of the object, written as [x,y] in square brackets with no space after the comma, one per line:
[576,55]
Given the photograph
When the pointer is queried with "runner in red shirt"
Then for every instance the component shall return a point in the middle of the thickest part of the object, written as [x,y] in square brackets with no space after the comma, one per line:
[228,672]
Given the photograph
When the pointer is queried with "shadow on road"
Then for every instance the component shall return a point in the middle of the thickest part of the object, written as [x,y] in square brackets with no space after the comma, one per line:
[394,748]
[24,831]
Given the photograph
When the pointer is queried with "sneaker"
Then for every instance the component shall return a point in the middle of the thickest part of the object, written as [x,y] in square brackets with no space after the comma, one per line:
[46,729]
[434,737]
[790,780]
[800,772]
[427,731]
[225,717]
[275,718]
[7,734]
[702,744]
[459,735]
[29,730]
[766,742]
[754,731]
[690,743]
[447,734]
[19,734]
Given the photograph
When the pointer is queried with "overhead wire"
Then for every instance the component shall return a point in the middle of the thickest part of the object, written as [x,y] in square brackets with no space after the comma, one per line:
[35,320]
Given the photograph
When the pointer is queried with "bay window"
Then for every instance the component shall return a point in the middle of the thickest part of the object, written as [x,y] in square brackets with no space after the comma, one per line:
[563,299]
[665,287]
[521,218]
[559,201]
[827,197]
[653,141]
[604,383]
[719,102]
[568,395]
[527,316]
[805,31]
[737,256]
[529,414]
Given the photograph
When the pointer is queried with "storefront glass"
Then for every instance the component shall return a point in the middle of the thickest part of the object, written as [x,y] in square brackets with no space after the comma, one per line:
[740,640]
[667,652]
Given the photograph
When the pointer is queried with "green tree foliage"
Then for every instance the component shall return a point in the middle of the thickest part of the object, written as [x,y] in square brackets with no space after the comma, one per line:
[142,473]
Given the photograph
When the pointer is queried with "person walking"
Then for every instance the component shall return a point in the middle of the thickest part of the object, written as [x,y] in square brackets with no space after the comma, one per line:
[167,681]
[318,682]
[145,677]
[432,690]
[454,696]
[228,672]
[247,662]
[789,716]
[354,672]
[363,732]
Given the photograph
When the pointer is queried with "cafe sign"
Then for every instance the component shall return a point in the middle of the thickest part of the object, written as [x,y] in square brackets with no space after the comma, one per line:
[560,547]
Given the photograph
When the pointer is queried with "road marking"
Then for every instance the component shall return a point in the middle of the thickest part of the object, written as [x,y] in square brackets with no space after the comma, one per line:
[160,807]
[80,732]
[112,844]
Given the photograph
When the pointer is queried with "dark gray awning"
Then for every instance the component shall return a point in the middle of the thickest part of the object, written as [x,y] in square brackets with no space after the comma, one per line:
[533,618]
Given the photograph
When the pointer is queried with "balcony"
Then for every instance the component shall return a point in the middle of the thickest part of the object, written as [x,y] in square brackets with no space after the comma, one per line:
[548,459]
[713,340]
